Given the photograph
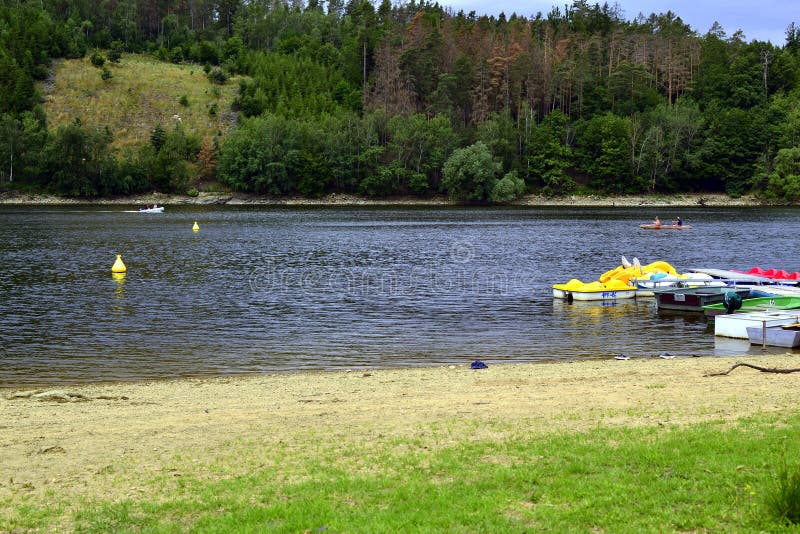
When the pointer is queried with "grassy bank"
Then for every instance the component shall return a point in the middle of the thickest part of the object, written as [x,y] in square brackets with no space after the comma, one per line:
[707,477]
[645,445]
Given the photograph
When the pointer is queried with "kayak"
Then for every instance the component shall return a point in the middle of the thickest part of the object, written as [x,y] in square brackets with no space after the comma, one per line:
[159,209]
[665,227]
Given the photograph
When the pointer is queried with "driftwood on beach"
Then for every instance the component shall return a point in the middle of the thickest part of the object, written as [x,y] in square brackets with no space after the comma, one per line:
[756,367]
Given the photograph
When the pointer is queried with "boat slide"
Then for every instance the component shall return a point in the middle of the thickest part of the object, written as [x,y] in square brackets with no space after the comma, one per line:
[738,277]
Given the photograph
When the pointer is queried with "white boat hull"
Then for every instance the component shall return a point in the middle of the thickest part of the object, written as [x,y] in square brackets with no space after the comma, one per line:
[776,336]
[735,325]
[595,295]
[159,209]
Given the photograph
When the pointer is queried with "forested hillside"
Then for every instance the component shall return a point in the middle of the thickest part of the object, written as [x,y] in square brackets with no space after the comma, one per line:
[400,99]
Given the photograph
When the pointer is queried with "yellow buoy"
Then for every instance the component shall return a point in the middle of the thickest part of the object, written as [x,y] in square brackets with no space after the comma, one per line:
[195,228]
[119,267]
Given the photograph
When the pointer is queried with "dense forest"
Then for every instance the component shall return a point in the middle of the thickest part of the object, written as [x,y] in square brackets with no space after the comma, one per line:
[413,99]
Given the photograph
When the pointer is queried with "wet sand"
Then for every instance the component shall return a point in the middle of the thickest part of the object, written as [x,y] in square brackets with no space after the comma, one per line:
[113,441]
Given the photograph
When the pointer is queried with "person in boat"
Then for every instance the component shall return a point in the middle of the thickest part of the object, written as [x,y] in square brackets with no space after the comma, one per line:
[657,222]
[678,222]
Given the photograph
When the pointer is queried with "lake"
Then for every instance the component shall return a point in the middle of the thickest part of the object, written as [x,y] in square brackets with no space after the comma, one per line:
[271,289]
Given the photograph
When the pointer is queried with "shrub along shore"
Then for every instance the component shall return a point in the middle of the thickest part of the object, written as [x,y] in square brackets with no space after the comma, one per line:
[206,198]
[646,445]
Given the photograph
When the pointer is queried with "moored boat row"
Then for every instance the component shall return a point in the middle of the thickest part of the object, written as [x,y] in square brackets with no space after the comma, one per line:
[629,280]
[739,303]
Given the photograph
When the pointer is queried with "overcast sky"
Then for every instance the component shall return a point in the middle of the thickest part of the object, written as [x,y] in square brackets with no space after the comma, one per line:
[763,20]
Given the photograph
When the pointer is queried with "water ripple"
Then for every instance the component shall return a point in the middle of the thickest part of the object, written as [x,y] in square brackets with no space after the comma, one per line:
[269,289]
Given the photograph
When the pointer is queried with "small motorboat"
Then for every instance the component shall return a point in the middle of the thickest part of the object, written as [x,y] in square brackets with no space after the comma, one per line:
[154,209]
[652,226]
[692,299]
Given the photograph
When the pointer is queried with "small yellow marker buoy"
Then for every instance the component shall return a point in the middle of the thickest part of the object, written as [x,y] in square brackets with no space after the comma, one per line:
[119,267]
[195,228]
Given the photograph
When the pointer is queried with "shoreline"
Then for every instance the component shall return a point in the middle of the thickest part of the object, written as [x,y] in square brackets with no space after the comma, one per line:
[114,441]
[10,388]
[238,199]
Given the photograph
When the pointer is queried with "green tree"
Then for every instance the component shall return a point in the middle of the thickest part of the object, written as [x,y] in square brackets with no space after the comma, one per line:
[80,162]
[217,76]
[728,149]
[29,147]
[313,172]
[158,137]
[603,150]
[354,146]
[422,64]
[508,188]
[712,81]
[470,173]
[784,182]
[548,155]
[499,134]
[253,157]
[115,51]
[174,161]
[98,59]
[419,147]
[631,88]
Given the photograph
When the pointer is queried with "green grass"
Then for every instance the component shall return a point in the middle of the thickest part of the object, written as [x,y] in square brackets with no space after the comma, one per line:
[704,478]
[142,93]
[784,500]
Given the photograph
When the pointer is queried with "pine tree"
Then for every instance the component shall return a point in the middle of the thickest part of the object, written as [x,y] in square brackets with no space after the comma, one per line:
[158,136]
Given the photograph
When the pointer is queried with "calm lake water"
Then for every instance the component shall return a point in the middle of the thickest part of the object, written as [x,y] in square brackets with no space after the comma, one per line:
[278,289]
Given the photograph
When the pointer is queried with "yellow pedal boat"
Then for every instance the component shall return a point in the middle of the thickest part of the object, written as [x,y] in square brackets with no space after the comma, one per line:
[577,290]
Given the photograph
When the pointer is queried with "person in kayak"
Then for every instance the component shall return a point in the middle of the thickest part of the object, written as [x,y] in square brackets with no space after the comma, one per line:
[657,222]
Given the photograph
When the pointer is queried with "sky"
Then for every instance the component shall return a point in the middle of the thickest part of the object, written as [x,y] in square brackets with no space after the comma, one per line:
[762,20]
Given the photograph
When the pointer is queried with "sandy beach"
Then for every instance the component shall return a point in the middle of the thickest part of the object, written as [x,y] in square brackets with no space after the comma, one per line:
[113,441]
